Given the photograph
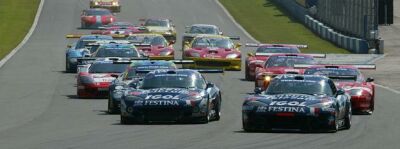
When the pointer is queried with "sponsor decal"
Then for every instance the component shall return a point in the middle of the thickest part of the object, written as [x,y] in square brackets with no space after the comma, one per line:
[161,103]
[290,96]
[281,109]
[167,90]
[175,97]
[287,103]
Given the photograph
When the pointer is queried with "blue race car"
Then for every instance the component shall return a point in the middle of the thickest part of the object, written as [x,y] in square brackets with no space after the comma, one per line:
[175,95]
[81,48]
[300,102]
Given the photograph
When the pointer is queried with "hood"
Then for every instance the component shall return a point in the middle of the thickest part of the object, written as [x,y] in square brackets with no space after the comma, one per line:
[213,52]
[166,93]
[290,99]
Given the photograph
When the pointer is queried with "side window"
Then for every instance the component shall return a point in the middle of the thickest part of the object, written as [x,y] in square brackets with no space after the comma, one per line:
[333,86]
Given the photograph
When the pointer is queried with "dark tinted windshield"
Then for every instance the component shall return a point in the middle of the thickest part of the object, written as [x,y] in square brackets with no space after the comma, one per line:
[299,87]
[337,74]
[139,71]
[203,30]
[213,42]
[277,50]
[148,39]
[173,81]
[151,22]
[117,52]
[83,43]
[107,68]
[288,61]
[97,12]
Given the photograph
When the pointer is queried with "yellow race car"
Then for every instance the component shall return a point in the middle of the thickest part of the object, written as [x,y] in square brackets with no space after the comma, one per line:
[213,51]
[112,5]
[153,45]
[161,26]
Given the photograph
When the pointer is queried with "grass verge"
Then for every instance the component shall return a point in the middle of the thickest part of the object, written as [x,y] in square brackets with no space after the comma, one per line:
[268,23]
[16,18]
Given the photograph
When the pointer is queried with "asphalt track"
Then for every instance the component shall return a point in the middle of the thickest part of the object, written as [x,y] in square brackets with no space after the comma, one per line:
[39,109]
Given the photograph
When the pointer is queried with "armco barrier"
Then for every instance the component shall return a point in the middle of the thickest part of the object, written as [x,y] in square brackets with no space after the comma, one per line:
[352,44]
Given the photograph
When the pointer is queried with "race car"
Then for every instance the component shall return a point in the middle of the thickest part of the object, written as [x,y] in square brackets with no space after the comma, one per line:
[282,64]
[262,53]
[120,28]
[112,5]
[298,102]
[350,79]
[80,49]
[153,45]
[176,95]
[161,26]
[199,29]
[96,17]
[94,81]
[132,75]
[213,51]
[115,49]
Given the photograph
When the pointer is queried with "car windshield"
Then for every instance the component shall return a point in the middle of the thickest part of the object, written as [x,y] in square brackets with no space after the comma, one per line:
[107,68]
[92,48]
[203,30]
[336,74]
[277,50]
[121,24]
[97,12]
[140,71]
[148,39]
[310,87]
[213,43]
[151,22]
[172,81]
[116,52]
[83,43]
[288,61]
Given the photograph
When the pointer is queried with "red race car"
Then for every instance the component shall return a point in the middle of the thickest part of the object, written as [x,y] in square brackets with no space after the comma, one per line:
[94,79]
[350,79]
[262,53]
[96,17]
[153,45]
[282,64]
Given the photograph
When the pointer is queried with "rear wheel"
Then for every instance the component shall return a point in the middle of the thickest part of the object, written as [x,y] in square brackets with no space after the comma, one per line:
[83,25]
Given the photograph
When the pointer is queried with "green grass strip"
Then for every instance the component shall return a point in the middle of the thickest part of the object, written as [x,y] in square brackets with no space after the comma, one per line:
[16,18]
[269,24]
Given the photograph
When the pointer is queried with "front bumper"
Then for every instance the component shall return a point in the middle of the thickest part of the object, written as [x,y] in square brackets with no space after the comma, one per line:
[212,63]
[361,103]
[169,57]
[93,91]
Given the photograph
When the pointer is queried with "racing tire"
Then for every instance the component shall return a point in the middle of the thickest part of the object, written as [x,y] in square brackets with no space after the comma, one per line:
[246,73]
[83,25]
[347,118]
[111,107]
[217,108]
[246,126]
[207,118]
[126,120]
[67,67]
[335,127]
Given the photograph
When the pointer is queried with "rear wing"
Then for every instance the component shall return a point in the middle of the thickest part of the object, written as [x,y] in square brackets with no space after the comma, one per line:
[141,44]
[174,61]
[301,46]
[122,60]
[234,37]
[209,70]
[115,36]
[358,66]
[270,54]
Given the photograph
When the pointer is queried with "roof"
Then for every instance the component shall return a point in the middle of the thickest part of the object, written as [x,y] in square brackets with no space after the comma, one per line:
[205,25]
[101,37]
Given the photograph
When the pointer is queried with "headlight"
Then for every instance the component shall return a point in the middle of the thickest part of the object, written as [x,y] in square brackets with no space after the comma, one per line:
[232,56]
[267,78]
[165,53]
[326,104]
[355,92]
[195,54]
[114,3]
[131,98]
[73,60]
[96,3]
[168,33]
[255,103]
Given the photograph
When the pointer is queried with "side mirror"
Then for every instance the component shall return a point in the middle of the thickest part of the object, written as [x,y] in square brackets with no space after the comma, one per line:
[69,46]
[114,75]
[370,79]
[250,54]
[220,33]
[340,92]
[210,85]
[258,90]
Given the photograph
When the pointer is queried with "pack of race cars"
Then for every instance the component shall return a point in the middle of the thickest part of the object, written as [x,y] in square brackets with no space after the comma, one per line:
[135,67]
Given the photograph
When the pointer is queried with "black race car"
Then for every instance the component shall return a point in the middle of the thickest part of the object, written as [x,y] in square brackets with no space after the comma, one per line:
[175,95]
[132,75]
[298,102]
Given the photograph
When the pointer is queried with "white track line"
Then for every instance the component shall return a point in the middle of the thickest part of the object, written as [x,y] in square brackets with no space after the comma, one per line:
[252,38]
[27,36]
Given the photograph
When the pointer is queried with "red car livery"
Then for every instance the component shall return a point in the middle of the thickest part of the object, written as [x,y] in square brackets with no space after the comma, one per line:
[153,45]
[96,17]
[350,79]
[282,64]
[95,80]
[262,53]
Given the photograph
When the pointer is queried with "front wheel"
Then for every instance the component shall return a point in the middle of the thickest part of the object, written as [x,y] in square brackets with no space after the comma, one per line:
[347,119]
[111,107]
